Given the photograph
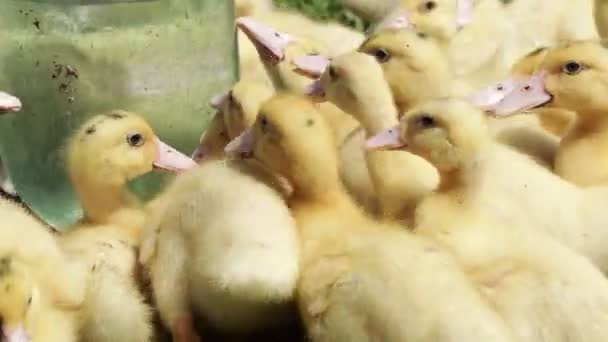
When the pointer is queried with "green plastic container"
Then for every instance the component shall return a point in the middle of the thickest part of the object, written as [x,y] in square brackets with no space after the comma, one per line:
[70,59]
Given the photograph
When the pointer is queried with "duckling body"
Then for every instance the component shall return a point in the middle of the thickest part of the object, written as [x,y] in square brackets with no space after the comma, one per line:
[354,282]
[232,257]
[528,277]
[42,290]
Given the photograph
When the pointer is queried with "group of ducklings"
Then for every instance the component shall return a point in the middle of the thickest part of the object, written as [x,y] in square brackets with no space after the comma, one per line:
[372,193]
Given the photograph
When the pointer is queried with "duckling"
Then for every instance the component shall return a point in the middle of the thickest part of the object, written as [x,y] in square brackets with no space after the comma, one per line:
[574,79]
[278,51]
[417,70]
[42,290]
[244,8]
[541,288]
[508,186]
[102,156]
[372,10]
[236,110]
[224,245]
[360,280]
[355,83]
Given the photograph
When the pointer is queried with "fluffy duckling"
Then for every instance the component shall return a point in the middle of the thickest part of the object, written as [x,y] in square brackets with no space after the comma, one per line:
[278,52]
[372,10]
[236,110]
[417,70]
[41,290]
[543,290]
[224,247]
[508,186]
[360,280]
[575,77]
[355,83]
[103,155]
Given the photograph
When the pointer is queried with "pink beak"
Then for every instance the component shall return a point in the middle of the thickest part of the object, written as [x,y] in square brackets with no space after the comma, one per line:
[488,97]
[316,91]
[269,42]
[529,93]
[243,145]
[9,103]
[389,139]
[312,65]
[170,159]
[17,335]
[218,100]
[464,12]
[398,21]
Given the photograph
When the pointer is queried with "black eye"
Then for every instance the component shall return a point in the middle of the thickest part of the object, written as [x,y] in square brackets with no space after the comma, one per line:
[422,35]
[135,139]
[333,75]
[428,6]
[382,55]
[572,68]
[29,301]
[426,121]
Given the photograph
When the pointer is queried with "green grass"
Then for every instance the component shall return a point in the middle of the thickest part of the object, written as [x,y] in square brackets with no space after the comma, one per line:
[324,10]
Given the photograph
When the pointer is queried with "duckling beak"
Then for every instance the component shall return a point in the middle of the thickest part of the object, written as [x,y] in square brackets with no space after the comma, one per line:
[490,96]
[398,20]
[464,13]
[270,43]
[218,100]
[528,94]
[242,146]
[389,139]
[170,159]
[9,103]
[311,65]
[15,335]
[316,91]
[200,153]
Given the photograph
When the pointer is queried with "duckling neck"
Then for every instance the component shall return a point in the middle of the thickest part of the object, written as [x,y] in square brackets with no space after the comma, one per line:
[462,183]
[377,117]
[99,202]
[590,123]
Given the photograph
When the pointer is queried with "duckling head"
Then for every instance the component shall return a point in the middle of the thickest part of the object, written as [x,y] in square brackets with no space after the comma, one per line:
[577,76]
[292,139]
[17,292]
[236,111]
[442,19]
[116,147]
[414,65]
[9,103]
[528,65]
[447,132]
[278,50]
[355,83]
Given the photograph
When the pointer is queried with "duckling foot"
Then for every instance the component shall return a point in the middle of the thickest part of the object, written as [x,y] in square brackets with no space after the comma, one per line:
[183,330]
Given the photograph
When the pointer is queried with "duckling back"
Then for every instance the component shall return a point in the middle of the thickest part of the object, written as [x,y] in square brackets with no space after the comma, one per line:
[239,243]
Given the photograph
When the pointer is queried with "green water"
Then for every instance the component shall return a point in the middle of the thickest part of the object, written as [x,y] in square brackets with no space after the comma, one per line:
[163,59]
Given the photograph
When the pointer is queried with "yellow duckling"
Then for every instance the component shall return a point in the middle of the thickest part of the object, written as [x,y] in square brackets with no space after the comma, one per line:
[360,280]
[516,268]
[278,51]
[574,77]
[102,156]
[41,291]
[355,83]
[508,186]
[600,15]
[236,110]
[221,244]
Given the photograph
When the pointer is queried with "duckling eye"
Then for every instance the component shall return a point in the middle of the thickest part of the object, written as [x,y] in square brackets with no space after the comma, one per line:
[382,55]
[428,6]
[572,68]
[29,301]
[422,35]
[135,139]
[426,121]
